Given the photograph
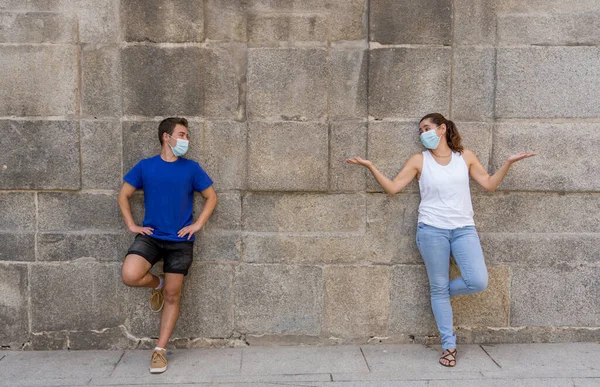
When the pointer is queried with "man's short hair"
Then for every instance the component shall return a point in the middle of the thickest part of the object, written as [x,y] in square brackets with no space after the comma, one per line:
[168,125]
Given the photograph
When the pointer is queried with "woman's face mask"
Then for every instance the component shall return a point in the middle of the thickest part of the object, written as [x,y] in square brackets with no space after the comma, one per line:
[430,139]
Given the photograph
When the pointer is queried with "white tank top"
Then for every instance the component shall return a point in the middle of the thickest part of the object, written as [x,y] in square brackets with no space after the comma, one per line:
[445,193]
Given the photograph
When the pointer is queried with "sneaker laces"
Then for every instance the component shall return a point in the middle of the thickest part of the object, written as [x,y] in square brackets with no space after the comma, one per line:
[157,354]
[156,294]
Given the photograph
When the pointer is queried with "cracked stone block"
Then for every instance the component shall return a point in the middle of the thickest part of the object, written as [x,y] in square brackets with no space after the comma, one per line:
[287,84]
[13,305]
[106,339]
[411,22]
[348,84]
[18,212]
[38,80]
[101,81]
[101,154]
[554,213]
[36,155]
[524,73]
[287,156]
[61,211]
[569,172]
[410,309]
[17,246]
[140,141]
[490,308]
[95,297]
[278,299]
[563,295]
[225,155]
[49,341]
[303,213]
[36,27]
[391,228]
[347,140]
[163,21]
[356,301]
[105,247]
[473,83]
[409,82]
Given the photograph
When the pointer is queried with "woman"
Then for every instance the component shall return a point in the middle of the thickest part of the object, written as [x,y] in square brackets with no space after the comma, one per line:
[445,224]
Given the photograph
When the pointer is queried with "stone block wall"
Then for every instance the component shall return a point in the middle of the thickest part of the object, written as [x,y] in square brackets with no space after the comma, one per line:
[302,248]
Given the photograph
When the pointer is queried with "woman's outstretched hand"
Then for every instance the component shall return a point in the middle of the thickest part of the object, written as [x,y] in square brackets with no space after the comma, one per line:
[519,156]
[358,161]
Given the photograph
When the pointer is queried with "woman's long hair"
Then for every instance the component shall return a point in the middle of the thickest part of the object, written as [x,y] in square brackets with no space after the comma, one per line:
[452,135]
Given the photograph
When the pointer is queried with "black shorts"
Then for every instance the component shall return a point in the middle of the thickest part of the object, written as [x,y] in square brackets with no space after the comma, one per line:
[177,256]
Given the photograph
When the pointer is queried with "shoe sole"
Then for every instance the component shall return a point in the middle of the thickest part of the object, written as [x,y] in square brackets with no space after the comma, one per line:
[158,370]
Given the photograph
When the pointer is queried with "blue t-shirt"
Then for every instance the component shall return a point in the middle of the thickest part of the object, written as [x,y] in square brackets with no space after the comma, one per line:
[168,193]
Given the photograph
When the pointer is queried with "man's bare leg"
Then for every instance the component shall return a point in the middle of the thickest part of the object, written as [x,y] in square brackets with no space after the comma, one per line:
[136,272]
[170,313]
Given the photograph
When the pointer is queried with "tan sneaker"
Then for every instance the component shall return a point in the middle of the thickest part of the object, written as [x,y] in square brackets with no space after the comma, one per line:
[157,299]
[158,363]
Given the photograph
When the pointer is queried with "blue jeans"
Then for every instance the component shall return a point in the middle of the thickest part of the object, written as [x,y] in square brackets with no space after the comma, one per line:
[435,246]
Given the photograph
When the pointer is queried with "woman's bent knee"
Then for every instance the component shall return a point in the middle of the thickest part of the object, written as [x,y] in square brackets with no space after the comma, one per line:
[479,284]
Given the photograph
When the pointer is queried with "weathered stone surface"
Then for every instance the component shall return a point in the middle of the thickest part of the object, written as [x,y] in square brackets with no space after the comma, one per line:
[356,301]
[288,84]
[98,20]
[227,215]
[207,302]
[278,299]
[32,5]
[163,21]
[523,76]
[162,81]
[553,213]
[218,246]
[36,27]
[264,29]
[346,19]
[409,82]
[569,171]
[95,293]
[549,29]
[287,156]
[391,228]
[75,245]
[18,212]
[411,22]
[101,80]
[348,84]
[477,136]
[105,339]
[224,81]
[59,211]
[49,341]
[101,154]
[303,213]
[305,249]
[473,83]
[390,145]
[490,308]
[17,246]
[38,80]
[140,141]
[555,296]
[225,156]
[13,305]
[35,155]
[410,309]
[225,20]
[474,21]
[539,249]
[347,139]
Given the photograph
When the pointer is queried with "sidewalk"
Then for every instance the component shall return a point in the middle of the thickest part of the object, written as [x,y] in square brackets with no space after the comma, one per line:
[547,365]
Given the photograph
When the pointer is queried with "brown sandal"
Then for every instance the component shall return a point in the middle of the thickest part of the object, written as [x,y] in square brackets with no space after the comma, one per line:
[450,357]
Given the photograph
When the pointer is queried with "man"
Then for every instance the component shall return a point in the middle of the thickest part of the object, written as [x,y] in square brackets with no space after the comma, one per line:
[169,182]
